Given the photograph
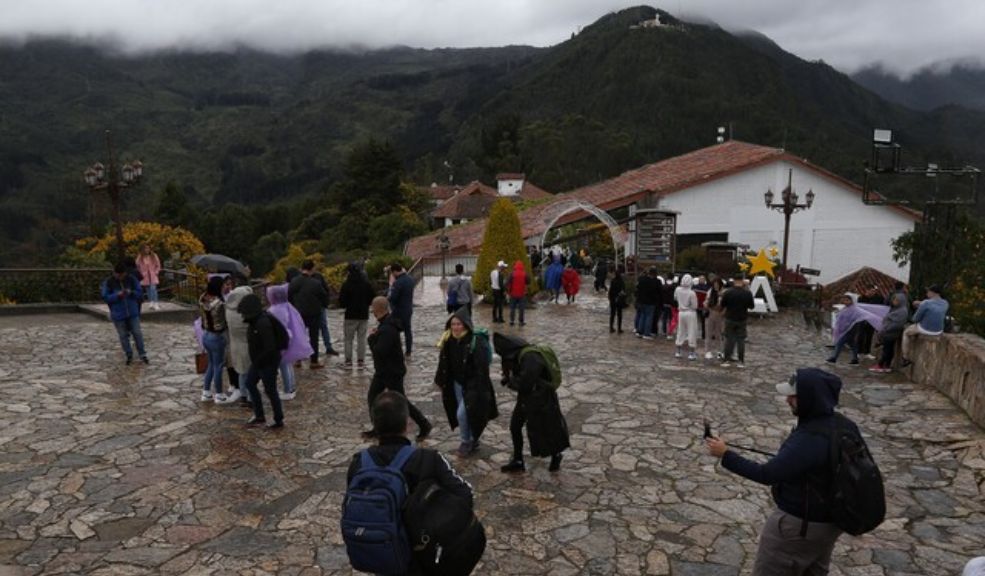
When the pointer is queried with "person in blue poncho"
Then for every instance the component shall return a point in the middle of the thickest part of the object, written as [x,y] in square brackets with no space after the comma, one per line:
[552,277]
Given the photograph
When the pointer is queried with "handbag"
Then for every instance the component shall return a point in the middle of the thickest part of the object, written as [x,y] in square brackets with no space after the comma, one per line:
[201,362]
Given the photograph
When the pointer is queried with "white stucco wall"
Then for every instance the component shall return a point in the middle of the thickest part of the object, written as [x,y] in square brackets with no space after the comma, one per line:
[838,235]
[509,187]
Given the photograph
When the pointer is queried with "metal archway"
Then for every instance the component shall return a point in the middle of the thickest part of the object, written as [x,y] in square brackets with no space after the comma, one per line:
[557,211]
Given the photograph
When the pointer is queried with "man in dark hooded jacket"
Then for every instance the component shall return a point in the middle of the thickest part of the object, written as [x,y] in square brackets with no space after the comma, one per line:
[265,352]
[537,404]
[389,364]
[799,474]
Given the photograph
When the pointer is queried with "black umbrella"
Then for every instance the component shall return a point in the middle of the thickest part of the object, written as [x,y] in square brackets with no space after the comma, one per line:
[219,263]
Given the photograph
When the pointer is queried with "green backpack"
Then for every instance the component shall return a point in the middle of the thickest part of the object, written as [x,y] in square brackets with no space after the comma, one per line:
[550,358]
[484,334]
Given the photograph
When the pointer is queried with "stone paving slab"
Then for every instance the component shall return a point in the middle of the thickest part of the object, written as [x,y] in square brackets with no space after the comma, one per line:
[109,469]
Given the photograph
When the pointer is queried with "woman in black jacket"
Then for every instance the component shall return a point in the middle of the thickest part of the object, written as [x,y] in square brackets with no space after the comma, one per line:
[355,296]
[463,376]
[617,299]
[537,405]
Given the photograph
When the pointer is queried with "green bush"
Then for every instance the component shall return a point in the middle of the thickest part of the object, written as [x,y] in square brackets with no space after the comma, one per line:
[503,240]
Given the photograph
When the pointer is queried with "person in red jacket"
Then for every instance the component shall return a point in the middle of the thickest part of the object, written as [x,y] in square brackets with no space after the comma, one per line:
[571,282]
[516,287]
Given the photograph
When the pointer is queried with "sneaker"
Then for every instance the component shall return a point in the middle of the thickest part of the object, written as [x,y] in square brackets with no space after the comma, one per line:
[315,366]
[854,361]
[464,449]
[670,336]
[869,356]
[709,355]
[145,360]
[288,395]
[129,360]
[425,431]
[347,365]
[830,360]
[878,369]
[523,323]
[220,399]
[720,356]
[677,354]
[725,364]
[555,463]
[692,356]
[331,352]
[234,397]
[206,396]
[512,323]
[611,329]
[740,364]
[647,337]
[513,466]
[275,426]
[255,422]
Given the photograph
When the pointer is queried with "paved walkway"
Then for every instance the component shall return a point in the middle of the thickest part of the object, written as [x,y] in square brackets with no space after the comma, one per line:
[108,469]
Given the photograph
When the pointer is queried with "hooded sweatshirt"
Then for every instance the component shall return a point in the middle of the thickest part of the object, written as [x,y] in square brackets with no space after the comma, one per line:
[517,282]
[895,321]
[854,313]
[685,297]
[804,454]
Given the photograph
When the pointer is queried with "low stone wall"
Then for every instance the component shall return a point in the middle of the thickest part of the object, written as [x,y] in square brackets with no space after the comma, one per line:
[955,365]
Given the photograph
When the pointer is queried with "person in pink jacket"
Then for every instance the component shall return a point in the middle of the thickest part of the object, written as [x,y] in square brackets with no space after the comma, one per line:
[149,266]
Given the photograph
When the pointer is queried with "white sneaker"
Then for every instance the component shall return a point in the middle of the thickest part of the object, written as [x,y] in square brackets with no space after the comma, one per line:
[235,396]
[740,365]
[220,399]
[647,337]
[206,395]
[677,354]
[288,395]
[709,355]
[692,356]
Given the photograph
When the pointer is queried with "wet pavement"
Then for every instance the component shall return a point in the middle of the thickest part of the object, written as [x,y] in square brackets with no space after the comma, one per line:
[109,469]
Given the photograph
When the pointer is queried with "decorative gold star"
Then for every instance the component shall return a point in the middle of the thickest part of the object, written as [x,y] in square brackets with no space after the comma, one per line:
[774,252]
[743,266]
[761,263]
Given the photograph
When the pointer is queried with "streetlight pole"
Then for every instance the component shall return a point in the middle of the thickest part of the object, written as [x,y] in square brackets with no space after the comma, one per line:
[99,177]
[789,206]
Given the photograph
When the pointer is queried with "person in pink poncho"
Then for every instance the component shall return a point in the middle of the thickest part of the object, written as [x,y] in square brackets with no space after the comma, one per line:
[299,346]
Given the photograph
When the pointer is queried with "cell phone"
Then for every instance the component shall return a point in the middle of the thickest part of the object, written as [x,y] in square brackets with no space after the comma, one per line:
[707,430]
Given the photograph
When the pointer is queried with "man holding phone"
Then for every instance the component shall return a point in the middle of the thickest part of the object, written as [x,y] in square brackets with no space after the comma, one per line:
[122,293]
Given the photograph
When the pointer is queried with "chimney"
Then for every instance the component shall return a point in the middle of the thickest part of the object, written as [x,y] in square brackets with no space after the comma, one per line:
[509,185]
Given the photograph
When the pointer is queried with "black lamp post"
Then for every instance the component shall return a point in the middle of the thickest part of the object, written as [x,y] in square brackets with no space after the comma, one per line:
[444,244]
[788,207]
[99,177]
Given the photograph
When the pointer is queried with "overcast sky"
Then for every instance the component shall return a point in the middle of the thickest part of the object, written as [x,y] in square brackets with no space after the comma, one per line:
[904,34]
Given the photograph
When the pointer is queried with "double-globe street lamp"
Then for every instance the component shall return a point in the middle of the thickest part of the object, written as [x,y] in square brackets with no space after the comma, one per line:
[99,177]
[788,207]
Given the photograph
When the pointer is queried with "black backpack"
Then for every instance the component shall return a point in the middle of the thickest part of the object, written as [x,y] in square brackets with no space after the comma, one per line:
[855,496]
[446,537]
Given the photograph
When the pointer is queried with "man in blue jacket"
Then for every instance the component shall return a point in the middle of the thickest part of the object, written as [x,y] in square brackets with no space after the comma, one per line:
[401,299]
[122,292]
[798,475]
[927,321]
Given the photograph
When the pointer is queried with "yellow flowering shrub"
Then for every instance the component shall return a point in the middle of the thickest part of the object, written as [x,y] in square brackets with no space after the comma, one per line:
[166,241]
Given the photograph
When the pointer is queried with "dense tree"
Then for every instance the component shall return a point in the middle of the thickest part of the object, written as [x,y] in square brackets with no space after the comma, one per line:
[503,240]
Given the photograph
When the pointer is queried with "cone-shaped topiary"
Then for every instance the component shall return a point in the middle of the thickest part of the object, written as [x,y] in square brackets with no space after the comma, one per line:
[503,241]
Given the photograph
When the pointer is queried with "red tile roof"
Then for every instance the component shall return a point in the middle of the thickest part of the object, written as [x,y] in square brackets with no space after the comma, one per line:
[531,192]
[661,178]
[440,193]
[472,201]
[510,176]
[859,282]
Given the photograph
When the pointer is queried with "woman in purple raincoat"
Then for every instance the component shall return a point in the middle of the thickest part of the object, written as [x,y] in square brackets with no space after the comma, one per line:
[299,346]
[850,319]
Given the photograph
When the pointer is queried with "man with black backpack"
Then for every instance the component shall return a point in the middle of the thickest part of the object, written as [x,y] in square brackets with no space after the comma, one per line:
[406,510]
[266,338]
[823,479]
[535,374]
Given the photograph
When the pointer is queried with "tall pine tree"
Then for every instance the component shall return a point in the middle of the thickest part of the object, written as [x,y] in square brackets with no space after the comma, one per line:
[503,240]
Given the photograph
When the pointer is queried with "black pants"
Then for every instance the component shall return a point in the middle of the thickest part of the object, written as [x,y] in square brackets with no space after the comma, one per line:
[377,386]
[865,334]
[735,338]
[498,300]
[888,351]
[615,313]
[269,377]
[313,323]
[517,421]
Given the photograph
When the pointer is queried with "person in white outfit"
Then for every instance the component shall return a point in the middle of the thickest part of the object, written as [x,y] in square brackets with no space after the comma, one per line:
[687,319]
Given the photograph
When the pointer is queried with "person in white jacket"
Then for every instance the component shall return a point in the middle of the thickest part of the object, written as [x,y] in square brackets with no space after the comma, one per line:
[687,319]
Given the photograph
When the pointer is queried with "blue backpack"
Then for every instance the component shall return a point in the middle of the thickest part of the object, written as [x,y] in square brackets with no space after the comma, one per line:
[372,523]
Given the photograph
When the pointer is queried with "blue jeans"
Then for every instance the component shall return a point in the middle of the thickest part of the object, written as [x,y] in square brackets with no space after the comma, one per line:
[126,327]
[644,319]
[287,375]
[515,303]
[323,326]
[151,292]
[463,417]
[851,339]
[215,347]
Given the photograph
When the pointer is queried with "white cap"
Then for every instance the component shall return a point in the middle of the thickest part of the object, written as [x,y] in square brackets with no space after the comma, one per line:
[788,388]
[501,264]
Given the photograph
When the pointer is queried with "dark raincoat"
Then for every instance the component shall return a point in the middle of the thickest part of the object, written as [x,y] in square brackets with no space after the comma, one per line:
[480,398]
[547,431]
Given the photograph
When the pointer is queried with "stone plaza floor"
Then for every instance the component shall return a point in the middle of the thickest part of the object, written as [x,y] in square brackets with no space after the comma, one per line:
[120,470]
